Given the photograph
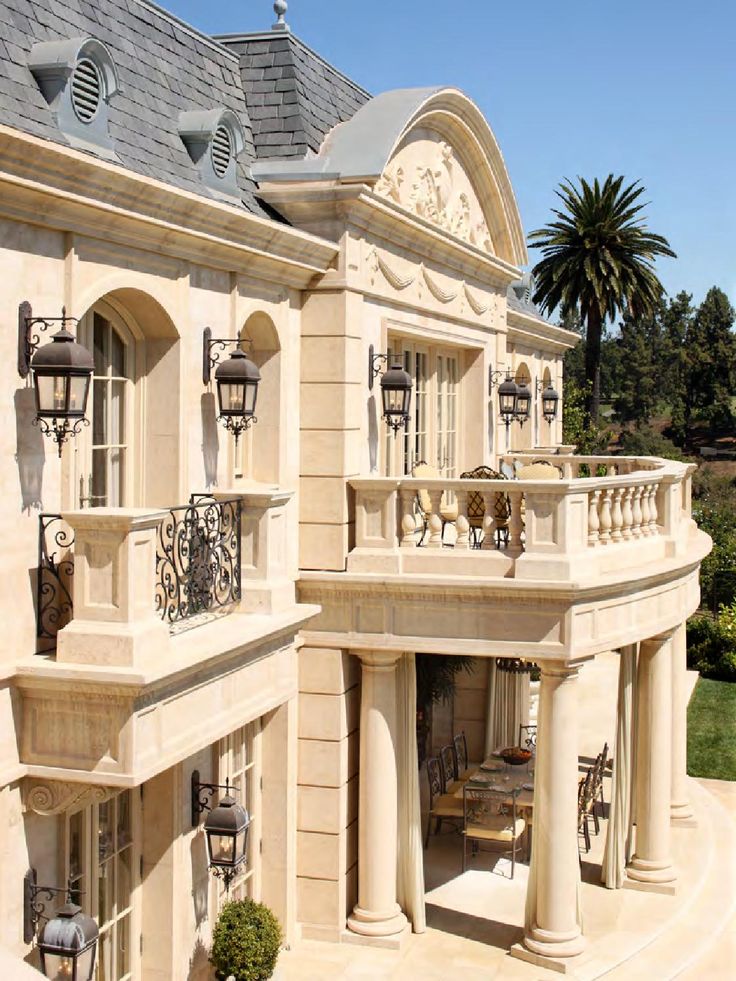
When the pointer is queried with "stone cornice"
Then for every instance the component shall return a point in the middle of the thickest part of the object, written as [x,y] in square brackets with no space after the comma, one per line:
[523,328]
[62,188]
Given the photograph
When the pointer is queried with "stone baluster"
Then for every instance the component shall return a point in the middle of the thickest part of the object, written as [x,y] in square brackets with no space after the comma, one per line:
[636,511]
[653,515]
[434,523]
[567,470]
[645,531]
[462,525]
[605,518]
[490,523]
[516,524]
[594,522]
[611,470]
[408,519]
[628,514]
[617,518]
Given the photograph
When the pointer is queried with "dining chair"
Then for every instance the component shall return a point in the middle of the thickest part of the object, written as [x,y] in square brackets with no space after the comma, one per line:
[442,806]
[489,814]
[448,511]
[460,744]
[450,781]
[477,508]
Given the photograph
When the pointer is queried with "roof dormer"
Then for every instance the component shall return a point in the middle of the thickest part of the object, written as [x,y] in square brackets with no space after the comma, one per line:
[214,139]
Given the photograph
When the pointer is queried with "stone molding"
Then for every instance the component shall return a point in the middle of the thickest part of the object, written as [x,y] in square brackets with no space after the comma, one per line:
[49,797]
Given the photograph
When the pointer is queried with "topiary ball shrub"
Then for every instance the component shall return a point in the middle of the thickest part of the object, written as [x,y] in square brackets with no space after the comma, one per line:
[246,941]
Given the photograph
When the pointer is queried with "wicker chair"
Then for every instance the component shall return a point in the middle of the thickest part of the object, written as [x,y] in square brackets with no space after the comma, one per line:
[442,806]
[477,508]
[490,815]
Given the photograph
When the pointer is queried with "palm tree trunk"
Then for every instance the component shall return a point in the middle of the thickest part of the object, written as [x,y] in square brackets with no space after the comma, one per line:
[593,363]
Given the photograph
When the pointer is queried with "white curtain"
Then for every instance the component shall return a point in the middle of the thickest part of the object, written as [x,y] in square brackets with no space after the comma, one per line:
[410,870]
[620,820]
[507,707]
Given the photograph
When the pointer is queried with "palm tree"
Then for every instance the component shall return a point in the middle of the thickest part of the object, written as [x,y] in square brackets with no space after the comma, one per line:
[598,262]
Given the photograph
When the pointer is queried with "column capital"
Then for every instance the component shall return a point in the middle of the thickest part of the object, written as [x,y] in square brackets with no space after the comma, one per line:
[379,659]
[561,669]
[661,638]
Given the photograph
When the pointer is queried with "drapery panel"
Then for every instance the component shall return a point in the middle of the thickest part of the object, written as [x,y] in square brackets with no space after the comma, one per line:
[619,845]
[507,707]
[410,860]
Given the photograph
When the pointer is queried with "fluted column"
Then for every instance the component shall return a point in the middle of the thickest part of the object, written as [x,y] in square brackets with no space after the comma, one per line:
[377,914]
[680,809]
[652,860]
[553,921]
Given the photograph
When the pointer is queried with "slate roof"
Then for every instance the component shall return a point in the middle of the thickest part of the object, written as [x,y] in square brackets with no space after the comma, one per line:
[519,298]
[164,67]
[294,97]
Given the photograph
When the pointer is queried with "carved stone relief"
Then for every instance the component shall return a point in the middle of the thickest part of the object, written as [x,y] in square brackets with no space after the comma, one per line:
[49,797]
[427,179]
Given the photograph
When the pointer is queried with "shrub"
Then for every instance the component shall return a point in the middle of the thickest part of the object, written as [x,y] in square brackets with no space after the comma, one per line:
[246,941]
[711,645]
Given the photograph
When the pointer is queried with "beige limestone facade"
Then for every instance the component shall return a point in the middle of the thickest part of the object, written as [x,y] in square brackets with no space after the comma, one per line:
[408,242]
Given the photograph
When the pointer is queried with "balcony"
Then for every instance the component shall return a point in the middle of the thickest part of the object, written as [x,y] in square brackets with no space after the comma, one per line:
[602,553]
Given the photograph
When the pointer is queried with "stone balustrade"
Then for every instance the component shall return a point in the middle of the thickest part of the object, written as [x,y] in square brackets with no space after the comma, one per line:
[599,515]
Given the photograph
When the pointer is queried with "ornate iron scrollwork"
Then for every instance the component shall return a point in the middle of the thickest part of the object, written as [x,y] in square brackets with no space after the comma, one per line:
[198,558]
[54,605]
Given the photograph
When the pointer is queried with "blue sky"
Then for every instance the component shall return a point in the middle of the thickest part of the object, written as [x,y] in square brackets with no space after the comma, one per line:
[646,88]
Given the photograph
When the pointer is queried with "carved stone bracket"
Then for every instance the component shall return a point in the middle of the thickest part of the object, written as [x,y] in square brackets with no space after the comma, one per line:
[47,797]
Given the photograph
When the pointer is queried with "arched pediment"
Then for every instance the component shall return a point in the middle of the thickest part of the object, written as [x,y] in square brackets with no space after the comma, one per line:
[437,138]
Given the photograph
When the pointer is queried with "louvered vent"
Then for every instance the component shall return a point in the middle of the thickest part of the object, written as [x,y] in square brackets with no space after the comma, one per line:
[86,89]
[222,150]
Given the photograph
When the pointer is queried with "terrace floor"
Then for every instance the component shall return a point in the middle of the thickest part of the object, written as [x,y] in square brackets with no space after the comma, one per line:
[473,918]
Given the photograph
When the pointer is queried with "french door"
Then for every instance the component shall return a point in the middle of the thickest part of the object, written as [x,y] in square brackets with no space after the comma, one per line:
[432,434]
[105,468]
[239,763]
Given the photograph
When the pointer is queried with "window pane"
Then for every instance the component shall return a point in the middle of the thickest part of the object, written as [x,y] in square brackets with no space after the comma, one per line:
[104,958]
[117,413]
[99,413]
[124,835]
[116,460]
[101,344]
[99,478]
[123,931]
[124,878]
[117,354]
[106,891]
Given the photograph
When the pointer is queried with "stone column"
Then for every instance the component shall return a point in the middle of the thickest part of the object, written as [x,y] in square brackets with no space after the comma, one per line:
[553,927]
[652,862]
[680,809]
[377,913]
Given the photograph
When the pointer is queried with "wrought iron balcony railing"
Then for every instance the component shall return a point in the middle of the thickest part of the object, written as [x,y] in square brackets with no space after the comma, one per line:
[198,562]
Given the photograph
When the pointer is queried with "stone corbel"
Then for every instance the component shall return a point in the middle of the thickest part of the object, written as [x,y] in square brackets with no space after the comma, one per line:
[49,797]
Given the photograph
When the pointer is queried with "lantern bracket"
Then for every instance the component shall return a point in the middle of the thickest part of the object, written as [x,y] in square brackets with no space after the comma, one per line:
[376,361]
[202,794]
[495,376]
[211,358]
[29,331]
[35,898]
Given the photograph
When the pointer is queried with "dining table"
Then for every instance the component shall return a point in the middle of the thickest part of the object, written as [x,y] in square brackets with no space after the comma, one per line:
[495,775]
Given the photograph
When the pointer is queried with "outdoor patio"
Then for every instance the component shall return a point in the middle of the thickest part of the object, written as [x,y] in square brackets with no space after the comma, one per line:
[474,918]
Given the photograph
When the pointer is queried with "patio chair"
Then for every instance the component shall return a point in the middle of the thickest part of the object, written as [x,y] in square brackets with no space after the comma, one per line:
[539,470]
[582,818]
[490,815]
[448,512]
[477,507]
[442,806]
[601,762]
[528,737]
[450,781]
[460,744]
[588,810]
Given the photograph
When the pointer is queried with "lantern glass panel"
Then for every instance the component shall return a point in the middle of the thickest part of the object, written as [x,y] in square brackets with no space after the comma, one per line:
[51,394]
[241,844]
[232,398]
[222,848]
[522,405]
[395,401]
[78,386]
[550,399]
[251,390]
[507,403]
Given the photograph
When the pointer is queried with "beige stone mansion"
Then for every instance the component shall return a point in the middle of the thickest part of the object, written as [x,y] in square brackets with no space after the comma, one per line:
[178,602]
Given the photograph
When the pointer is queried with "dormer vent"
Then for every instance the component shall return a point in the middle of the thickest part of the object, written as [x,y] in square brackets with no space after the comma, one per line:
[78,79]
[214,138]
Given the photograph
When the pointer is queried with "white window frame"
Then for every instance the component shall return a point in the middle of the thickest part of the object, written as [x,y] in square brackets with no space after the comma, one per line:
[238,762]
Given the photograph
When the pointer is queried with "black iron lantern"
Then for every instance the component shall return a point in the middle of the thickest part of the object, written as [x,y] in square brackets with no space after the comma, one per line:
[396,386]
[237,382]
[508,392]
[226,829]
[68,945]
[523,402]
[61,373]
[550,401]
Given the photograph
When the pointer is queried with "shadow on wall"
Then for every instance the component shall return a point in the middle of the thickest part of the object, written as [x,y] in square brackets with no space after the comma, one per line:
[373,432]
[30,454]
[210,438]
[200,877]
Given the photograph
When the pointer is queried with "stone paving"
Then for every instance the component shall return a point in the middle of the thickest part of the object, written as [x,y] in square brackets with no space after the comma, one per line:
[474,918]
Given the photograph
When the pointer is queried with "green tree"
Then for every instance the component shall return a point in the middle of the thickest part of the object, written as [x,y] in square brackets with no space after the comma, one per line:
[639,394]
[589,438]
[673,370]
[710,363]
[598,261]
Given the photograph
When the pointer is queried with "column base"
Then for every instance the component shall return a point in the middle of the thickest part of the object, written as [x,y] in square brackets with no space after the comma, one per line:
[561,966]
[551,944]
[382,924]
[651,872]
[394,941]
[683,814]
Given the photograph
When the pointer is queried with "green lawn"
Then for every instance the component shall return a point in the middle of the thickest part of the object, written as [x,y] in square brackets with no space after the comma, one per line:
[711,730]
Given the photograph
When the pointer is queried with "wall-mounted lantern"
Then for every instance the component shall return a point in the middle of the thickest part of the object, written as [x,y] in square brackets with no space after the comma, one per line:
[550,400]
[396,386]
[523,401]
[508,393]
[68,941]
[237,382]
[61,372]
[225,827]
